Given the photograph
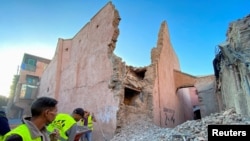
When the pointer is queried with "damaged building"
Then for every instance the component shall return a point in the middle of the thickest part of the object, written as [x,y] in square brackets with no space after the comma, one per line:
[85,72]
[232,69]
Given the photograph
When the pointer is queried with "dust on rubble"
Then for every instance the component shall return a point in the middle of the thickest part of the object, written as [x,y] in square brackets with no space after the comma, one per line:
[143,129]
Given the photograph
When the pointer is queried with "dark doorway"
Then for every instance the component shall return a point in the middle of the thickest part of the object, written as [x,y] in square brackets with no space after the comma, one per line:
[197,113]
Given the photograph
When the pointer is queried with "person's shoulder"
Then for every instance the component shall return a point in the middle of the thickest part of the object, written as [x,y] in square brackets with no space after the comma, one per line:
[14,137]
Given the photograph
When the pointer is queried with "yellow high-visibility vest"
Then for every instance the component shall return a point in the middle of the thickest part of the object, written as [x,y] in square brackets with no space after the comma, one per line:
[23,131]
[62,122]
[90,123]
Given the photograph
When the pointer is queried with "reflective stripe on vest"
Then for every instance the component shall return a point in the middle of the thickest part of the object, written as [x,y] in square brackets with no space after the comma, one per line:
[23,131]
[62,122]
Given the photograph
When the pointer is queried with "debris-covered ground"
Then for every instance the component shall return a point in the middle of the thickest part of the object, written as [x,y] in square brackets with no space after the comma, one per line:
[193,130]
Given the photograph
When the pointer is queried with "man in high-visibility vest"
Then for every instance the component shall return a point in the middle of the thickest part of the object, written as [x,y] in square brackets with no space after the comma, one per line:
[88,120]
[43,111]
[4,125]
[66,124]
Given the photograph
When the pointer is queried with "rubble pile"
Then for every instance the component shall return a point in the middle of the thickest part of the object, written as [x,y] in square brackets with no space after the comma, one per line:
[193,130]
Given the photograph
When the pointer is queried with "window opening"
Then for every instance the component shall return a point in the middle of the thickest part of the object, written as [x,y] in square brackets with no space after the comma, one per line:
[130,96]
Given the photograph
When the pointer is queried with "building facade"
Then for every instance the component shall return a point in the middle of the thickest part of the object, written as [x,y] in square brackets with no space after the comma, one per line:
[31,70]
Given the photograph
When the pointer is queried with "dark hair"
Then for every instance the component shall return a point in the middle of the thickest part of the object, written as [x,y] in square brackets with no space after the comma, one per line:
[79,111]
[41,104]
[14,137]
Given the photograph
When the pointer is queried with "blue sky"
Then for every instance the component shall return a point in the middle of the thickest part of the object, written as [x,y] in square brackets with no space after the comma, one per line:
[196,27]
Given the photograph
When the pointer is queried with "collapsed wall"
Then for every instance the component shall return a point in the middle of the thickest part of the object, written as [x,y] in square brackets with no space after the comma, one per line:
[232,67]
[81,71]
[172,89]
[85,72]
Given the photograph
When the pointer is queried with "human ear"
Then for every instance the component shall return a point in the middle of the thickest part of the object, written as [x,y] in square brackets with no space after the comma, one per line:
[46,112]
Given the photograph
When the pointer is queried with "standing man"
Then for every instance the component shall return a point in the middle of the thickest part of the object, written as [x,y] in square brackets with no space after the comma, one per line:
[4,125]
[43,112]
[88,121]
[66,124]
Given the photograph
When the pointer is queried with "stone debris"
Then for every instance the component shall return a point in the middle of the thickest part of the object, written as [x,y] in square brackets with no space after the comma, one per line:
[192,130]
